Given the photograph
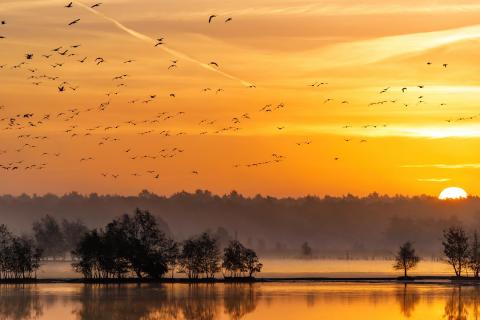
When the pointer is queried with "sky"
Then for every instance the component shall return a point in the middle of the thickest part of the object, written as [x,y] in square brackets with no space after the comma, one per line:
[287,98]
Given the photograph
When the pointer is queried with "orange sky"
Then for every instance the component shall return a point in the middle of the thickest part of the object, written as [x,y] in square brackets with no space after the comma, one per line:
[358,48]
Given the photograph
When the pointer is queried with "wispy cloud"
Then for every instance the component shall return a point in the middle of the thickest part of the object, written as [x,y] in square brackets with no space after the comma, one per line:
[434,179]
[379,49]
[444,166]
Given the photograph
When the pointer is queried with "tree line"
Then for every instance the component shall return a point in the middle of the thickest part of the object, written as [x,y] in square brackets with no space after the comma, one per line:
[134,246]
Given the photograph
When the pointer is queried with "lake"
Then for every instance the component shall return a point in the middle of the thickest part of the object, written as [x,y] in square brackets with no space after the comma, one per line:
[258,301]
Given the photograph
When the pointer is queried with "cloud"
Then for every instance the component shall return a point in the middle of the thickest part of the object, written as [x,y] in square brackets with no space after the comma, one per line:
[434,180]
[444,166]
[379,49]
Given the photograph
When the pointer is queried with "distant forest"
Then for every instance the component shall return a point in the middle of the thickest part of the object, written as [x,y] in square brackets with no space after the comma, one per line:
[340,227]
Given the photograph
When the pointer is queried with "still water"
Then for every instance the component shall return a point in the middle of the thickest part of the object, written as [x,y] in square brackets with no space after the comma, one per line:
[302,301]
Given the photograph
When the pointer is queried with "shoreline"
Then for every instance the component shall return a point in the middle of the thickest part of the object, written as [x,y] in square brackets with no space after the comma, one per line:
[352,280]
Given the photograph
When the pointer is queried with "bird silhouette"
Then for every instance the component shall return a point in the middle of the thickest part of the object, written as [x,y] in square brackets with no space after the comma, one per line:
[69,5]
[210,19]
[74,22]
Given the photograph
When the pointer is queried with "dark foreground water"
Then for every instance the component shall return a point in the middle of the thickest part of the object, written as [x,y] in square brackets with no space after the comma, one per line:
[224,301]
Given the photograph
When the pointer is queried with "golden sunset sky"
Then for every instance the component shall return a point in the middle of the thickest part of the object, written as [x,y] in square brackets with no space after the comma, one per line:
[334,138]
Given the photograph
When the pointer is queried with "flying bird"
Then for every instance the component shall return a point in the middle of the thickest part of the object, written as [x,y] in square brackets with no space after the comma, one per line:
[228,20]
[74,22]
[96,5]
[69,5]
[211,18]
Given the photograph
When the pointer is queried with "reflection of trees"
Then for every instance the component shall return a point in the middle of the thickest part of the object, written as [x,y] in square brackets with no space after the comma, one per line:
[456,306]
[165,302]
[239,300]
[19,302]
[117,302]
[408,298]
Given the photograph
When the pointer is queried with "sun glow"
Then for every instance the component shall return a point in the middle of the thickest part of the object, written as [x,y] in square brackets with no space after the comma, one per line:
[453,193]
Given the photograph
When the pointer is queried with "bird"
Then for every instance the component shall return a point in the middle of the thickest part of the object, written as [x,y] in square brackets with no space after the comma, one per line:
[3,22]
[404,89]
[69,5]
[96,5]
[74,22]
[213,63]
[29,56]
[228,19]
[445,65]
[211,18]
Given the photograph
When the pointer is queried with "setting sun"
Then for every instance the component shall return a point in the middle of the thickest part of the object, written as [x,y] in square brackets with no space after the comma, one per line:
[453,193]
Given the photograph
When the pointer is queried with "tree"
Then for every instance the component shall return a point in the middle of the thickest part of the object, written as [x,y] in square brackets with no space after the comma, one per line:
[49,237]
[474,262]
[19,257]
[456,249]
[406,258]
[87,252]
[200,255]
[234,258]
[130,244]
[73,232]
[5,243]
[252,262]
[239,260]
[306,250]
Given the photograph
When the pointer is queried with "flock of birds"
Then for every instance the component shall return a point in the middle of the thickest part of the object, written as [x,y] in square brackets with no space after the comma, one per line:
[24,125]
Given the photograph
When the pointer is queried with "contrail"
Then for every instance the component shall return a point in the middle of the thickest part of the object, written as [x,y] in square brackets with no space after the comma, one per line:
[150,40]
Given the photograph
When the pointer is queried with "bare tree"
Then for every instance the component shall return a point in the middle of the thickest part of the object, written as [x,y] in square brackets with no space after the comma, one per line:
[474,262]
[406,258]
[456,249]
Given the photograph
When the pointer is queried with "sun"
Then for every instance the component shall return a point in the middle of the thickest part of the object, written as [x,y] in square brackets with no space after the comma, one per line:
[453,193]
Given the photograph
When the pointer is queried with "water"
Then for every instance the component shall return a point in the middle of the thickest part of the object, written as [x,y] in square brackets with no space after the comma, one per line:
[259,301]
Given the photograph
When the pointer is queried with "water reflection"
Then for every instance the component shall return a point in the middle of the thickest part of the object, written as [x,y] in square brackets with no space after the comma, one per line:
[18,302]
[257,301]
[189,302]
[408,298]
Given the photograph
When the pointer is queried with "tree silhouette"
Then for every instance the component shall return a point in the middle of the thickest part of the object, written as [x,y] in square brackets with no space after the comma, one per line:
[456,249]
[406,258]
[200,255]
[49,237]
[474,262]
[306,250]
[131,244]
